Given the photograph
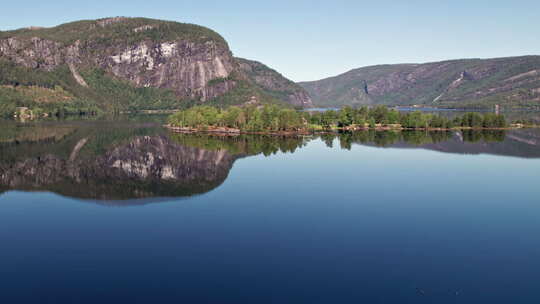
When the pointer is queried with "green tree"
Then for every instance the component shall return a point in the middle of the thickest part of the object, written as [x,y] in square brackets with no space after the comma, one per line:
[233,117]
[393,117]
[345,117]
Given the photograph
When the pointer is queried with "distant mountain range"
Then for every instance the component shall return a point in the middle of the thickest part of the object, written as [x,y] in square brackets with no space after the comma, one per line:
[121,64]
[510,82]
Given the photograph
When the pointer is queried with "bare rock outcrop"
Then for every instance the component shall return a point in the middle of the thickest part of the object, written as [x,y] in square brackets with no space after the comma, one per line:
[192,61]
[185,63]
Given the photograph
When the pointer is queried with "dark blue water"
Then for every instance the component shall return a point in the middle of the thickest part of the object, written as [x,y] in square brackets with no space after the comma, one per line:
[399,224]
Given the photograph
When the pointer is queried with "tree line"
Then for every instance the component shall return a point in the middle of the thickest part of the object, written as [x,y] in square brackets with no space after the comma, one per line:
[275,118]
[382,116]
[249,118]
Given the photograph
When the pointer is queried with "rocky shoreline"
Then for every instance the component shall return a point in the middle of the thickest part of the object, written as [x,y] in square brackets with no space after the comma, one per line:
[235,131]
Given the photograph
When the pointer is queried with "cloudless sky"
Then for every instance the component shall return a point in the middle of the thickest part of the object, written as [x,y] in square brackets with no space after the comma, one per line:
[309,40]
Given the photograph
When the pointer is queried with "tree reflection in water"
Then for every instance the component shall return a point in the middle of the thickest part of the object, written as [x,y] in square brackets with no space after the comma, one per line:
[135,163]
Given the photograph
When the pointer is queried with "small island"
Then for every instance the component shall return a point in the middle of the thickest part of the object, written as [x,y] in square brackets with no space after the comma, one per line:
[273,119]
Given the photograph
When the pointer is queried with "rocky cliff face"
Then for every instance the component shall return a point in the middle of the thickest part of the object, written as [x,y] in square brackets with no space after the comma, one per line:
[182,63]
[510,81]
[192,61]
[274,83]
[38,52]
[182,66]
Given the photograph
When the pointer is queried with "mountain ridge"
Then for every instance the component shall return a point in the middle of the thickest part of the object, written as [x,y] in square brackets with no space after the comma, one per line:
[450,83]
[274,83]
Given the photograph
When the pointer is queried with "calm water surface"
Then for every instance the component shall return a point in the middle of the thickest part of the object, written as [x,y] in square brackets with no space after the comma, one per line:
[103,212]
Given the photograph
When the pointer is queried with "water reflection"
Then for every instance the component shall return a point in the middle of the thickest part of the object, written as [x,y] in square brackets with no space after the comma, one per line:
[134,168]
[523,143]
[531,116]
[122,163]
[131,163]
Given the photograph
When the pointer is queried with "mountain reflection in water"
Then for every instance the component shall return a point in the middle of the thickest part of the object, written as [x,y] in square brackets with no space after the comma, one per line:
[117,164]
[524,143]
[130,163]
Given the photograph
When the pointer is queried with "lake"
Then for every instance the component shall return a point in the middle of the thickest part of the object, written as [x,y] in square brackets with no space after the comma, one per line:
[125,211]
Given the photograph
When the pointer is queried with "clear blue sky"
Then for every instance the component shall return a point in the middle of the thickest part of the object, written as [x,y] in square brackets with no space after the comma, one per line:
[309,40]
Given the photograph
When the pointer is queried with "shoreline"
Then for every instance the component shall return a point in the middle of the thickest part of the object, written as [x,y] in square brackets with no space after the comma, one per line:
[234,131]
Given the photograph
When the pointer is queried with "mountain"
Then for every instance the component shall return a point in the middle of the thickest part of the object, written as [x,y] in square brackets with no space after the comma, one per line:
[121,64]
[510,82]
[275,84]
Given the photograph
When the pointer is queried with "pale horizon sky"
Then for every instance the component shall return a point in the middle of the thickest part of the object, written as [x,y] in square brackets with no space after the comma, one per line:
[310,40]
